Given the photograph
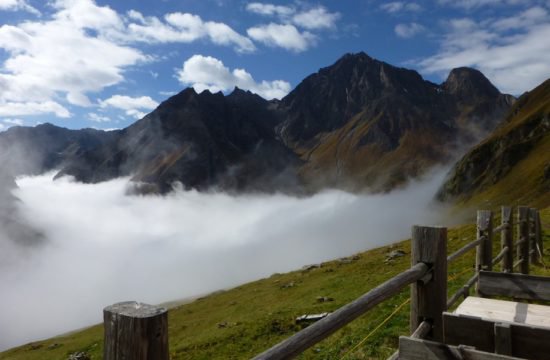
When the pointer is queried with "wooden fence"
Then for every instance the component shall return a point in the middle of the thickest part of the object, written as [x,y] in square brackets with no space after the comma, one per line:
[427,278]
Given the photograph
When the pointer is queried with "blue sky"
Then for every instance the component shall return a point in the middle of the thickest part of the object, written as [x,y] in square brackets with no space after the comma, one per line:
[106,63]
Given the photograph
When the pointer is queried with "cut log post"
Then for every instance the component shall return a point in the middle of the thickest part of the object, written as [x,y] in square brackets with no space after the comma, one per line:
[429,300]
[523,238]
[135,331]
[533,257]
[506,239]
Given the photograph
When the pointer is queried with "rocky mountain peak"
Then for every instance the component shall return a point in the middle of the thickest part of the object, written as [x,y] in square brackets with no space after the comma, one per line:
[467,84]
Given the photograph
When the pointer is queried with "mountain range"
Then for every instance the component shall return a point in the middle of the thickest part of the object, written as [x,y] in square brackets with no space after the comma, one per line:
[359,124]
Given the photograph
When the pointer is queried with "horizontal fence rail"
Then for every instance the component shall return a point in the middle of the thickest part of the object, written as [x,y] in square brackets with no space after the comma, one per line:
[341,317]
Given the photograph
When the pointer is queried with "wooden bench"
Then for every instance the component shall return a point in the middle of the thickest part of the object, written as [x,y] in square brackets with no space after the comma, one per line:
[499,326]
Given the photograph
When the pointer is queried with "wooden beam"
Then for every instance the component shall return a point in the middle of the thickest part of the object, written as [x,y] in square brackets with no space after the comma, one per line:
[519,286]
[506,239]
[428,301]
[418,349]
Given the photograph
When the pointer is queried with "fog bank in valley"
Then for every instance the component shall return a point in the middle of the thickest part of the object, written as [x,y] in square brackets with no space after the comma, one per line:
[102,246]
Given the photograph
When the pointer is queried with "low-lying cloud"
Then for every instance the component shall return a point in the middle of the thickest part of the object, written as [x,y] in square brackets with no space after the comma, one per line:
[103,246]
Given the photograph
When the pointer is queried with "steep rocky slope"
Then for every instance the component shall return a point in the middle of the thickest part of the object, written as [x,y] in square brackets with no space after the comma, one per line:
[364,123]
[512,163]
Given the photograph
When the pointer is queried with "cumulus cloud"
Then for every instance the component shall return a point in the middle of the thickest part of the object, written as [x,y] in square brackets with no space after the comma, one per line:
[95,117]
[407,31]
[131,105]
[285,36]
[15,5]
[286,33]
[104,247]
[60,56]
[206,72]
[55,62]
[316,18]
[7,123]
[184,28]
[400,6]
[515,61]
[472,4]
[270,9]
[33,108]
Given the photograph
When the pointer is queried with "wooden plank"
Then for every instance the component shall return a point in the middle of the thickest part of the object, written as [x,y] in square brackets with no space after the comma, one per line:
[508,311]
[418,349]
[523,234]
[503,339]
[428,301]
[458,330]
[311,335]
[530,342]
[506,239]
[519,286]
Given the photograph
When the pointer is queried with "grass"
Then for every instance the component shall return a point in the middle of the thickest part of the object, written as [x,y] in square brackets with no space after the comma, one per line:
[242,322]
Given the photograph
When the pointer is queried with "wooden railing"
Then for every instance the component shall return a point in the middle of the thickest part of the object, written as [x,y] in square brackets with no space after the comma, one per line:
[427,278]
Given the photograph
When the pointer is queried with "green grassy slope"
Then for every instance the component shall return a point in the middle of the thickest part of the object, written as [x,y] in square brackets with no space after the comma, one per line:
[242,322]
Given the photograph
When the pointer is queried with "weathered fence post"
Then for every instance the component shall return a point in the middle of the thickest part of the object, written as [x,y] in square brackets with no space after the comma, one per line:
[523,238]
[135,331]
[429,300]
[532,236]
[484,258]
[506,239]
[538,234]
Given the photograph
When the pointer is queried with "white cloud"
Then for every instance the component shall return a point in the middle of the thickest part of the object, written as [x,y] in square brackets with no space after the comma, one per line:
[316,18]
[205,72]
[15,122]
[5,124]
[83,48]
[15,5]
[472,4]
[285,36]
[98,118]
[515,61]
[138,247]
[407,31]
[400,6]
[33,108]
[60,56]
[131,105]
[270,9]
[184,28]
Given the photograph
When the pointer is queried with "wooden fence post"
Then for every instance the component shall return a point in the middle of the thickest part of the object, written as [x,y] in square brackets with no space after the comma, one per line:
[135,331]
[523,238]
[429,300]
[484,258]
[506,239]
[533,258]
[538,233]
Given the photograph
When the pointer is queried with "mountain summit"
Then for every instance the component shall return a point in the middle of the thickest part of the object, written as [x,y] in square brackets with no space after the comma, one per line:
[358,124]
